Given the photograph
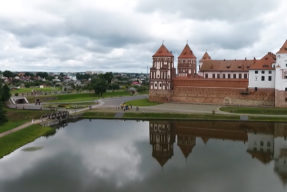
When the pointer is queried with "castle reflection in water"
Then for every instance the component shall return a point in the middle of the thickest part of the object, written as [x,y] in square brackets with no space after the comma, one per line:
[265,141]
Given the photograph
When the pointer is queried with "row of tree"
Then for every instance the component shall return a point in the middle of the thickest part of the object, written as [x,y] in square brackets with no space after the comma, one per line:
[4,96]
[102,82]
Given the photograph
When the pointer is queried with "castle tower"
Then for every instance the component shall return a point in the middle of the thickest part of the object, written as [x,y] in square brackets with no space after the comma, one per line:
[162,138]
[281,77]
[205,57]
[161,74]
[186,63]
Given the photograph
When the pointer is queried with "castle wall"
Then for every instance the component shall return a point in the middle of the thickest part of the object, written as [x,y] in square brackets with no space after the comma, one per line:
[223,96]
[161,96]
[281,97]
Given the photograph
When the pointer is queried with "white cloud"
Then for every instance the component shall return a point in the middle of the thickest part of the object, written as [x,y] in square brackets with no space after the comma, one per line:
[121,35]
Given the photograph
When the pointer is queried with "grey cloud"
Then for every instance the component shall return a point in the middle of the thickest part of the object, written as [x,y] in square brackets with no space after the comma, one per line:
[230,10]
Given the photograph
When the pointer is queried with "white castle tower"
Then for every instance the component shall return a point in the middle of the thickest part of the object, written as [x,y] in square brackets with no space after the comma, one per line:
[281,77]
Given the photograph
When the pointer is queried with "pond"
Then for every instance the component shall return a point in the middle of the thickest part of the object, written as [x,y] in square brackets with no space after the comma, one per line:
[116,155]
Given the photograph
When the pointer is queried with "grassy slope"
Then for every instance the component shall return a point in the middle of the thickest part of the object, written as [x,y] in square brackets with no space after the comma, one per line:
[15,140]
[255,110]
[18,117]
[141,102]
[93,114]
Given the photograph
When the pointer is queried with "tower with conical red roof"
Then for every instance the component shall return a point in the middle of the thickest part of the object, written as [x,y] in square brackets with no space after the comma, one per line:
[281,77]
[162,73]
[205,57]
[186,63]
[162,138]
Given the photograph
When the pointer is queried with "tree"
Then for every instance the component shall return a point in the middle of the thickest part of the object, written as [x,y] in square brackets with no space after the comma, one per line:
[2,112]
[108,77]
[5,93]
[81,77]
[29,74]
[8,74]
[42,74]
[99,85]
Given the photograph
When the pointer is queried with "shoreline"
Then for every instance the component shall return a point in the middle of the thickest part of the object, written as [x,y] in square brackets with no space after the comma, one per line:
[180,116]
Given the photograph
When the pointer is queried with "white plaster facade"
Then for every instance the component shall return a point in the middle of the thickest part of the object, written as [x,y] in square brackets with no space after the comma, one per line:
[261,79]
[224,75]
[260,142]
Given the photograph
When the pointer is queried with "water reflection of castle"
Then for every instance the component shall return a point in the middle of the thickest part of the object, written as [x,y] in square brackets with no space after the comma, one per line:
[266,142]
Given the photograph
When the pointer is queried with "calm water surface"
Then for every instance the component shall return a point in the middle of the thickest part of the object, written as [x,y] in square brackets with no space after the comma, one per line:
[115,155]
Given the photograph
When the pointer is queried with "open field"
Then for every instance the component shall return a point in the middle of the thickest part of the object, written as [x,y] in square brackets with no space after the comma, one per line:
[29,90]
[15,140]
[141,102]
[255,110]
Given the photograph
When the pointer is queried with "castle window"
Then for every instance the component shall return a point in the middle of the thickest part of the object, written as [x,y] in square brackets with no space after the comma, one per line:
[261,143]
[234,76]
[229,76]
[223,76]
[206,76]
[256,72]
[262,78]
[269,78]
[160,85]
[270,72]
[245,76]
[218,76]
[240,76]
[262,72]
[213,76]
[286,99]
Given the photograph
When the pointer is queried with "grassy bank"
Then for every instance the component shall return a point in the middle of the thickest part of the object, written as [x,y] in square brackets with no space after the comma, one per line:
[19,117]
[141,102]
[98,115]
[15,140]
[177,116]
[147,116]
[255,110]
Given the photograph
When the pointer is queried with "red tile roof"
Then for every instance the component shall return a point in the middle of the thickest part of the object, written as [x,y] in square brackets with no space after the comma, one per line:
[265,63]
[226,65]
[283,49]
[187,53]
[205,57]
[162,52]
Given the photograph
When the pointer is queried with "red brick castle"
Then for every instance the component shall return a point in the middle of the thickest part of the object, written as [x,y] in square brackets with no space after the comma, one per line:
[256,82]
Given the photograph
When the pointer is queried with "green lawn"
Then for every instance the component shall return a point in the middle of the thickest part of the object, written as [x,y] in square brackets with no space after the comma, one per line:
[29,90]
[15,140]
[255,110]
[81,97]
[141,102]
[18,117]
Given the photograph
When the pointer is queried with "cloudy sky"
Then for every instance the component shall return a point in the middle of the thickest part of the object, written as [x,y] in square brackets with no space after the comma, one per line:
[122,35]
